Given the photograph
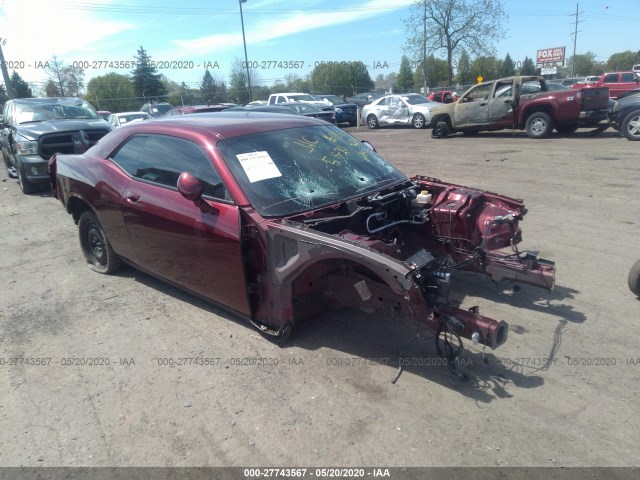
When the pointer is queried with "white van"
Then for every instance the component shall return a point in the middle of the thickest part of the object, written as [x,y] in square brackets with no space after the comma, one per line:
[636,68]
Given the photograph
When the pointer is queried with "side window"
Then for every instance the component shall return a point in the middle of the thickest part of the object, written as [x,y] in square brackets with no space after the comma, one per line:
[611,78]
[478,93]
[628,77]
[503,89]
[161,159]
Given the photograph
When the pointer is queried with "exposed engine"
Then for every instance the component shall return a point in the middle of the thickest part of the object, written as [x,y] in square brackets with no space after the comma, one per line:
[433,228]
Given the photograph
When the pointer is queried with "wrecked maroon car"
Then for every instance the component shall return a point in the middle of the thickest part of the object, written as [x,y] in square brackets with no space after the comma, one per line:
[281,218]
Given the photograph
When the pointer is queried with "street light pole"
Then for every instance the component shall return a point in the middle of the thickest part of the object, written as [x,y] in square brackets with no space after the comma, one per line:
[246,60]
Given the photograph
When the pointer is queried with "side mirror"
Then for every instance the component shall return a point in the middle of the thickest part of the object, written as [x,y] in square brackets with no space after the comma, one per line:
[369,146]
[191,188]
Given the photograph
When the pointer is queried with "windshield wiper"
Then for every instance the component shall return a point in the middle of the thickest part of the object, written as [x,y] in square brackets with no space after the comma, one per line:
[31,121]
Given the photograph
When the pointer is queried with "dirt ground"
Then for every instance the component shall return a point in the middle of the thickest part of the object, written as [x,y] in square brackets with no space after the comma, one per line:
[563,390]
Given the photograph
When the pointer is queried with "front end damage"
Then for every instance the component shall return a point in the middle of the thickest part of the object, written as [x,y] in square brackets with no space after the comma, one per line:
[396,251]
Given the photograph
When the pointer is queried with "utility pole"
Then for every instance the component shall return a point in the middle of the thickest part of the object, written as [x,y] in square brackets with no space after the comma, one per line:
[575,40]
[424,49]
[5,76]
[246,60]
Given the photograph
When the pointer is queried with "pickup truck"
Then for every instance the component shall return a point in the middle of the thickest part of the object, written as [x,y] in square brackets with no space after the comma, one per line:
[617,83]
[33,129]
[523,103]
[276,98]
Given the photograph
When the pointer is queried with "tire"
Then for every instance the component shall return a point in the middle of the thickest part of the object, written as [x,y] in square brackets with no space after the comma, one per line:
[372,121]
[419,121]
[25,185]
[634,278]
[539,125]
[440,130]
[567,129]
[630,127]
[94,244]
[11,170]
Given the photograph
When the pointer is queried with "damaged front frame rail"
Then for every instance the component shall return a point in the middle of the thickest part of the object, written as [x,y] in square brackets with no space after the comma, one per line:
[355,275]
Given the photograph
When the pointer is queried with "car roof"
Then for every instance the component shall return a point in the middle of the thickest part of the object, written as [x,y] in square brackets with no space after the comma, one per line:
[135,112]
[46,99]
[206,126]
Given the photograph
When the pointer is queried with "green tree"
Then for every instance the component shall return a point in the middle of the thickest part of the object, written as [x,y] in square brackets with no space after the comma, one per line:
[343,79]
[507,67]
[437,73]
[622,61]
[57,84]
[464,76]
[74,77]
[528,67]
[238,87]
[296,84]
[20,88]
[405,76]
[486,67]
[147,82]
[582,64]
[210,88]
[64,80]
[3,95]
[113,92]
[51,89]
[447,26]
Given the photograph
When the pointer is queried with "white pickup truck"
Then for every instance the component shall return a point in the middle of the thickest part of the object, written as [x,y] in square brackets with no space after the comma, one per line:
[276,98]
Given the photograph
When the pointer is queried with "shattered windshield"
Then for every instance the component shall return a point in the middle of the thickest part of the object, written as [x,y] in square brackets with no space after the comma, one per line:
[55,110]
[294,170]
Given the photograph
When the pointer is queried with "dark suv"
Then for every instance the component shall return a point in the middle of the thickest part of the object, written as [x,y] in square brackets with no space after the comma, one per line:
[33,129]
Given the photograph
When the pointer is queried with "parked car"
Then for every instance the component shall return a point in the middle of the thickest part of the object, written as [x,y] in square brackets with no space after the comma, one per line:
[104,114]
[156,109]
[362,99]
[444,96]
[116,120]
[592,79]
[304,109]
[283,98]
[624,114]
[616,82]
[33,129]
[407,109]
[521,103]
[570,81]
[345,112]
[634,278]
[279,221]
[195,109]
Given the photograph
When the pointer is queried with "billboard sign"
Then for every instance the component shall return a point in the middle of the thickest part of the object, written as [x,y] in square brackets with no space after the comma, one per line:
[550,57]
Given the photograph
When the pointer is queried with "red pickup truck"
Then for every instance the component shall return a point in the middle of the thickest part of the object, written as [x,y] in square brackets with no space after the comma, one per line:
[616,82]
[523,102]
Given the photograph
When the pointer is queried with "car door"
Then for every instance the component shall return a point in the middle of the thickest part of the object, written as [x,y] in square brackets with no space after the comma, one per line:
[171,236]
[472,110]
[380,110]
[628,81]
[398,110]
[501,104]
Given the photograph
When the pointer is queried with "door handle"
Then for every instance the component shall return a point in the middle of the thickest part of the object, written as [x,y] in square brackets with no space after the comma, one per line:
[483,104]
[132,197]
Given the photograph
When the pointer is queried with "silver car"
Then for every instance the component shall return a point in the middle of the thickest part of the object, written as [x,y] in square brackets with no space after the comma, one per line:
[406,109]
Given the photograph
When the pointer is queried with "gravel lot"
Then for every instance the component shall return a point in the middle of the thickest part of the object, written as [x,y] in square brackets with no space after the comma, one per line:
[562,391]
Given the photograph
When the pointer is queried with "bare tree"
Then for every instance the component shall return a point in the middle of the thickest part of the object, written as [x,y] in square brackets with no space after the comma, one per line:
[447,26]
